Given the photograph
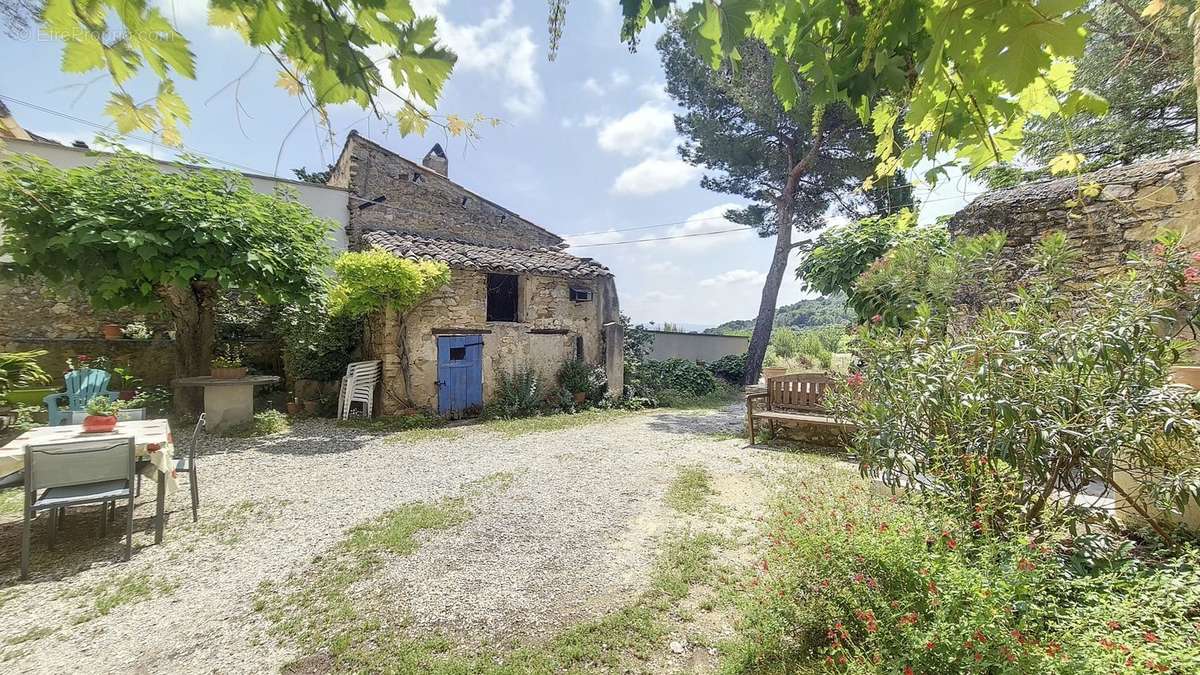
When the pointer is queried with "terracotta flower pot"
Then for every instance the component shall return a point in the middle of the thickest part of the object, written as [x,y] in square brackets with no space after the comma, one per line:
[112,331]
[229,373]
[98,424]
[294,407]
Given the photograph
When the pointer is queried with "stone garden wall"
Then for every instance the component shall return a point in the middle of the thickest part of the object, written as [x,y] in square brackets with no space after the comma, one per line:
[1129,206]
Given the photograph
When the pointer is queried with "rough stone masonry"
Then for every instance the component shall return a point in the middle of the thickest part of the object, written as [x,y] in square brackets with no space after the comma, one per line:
[1134,203]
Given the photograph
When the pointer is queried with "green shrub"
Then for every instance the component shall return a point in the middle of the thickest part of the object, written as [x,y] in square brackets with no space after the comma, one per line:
[264,423]
[21,369]
[854,582]
[368,281]
[518,394]
[681,375]
[731,368]
[1038,397]
[577,377]
[316,344]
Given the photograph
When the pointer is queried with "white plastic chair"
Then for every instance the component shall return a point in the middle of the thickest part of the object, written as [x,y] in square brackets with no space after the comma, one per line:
[358,386]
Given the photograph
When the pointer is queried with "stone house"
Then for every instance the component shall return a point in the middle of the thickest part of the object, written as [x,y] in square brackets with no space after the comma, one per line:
[516,300]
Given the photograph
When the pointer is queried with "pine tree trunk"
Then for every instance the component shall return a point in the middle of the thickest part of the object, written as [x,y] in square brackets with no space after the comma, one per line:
[761,337]
[194,312]
[1196,64]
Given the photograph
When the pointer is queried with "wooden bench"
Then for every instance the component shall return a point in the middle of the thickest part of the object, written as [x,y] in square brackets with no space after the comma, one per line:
[793,400]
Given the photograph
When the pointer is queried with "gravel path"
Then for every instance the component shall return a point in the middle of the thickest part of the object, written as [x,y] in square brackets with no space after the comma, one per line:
[573,534]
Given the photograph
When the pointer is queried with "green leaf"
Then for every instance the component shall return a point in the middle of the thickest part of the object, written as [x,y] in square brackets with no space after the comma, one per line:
[82,54]
[128,115]
[783,81]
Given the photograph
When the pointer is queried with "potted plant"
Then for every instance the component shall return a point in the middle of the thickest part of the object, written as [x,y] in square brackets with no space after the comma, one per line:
[576,377]
[228,366]
[137,331]
[112,331]
[101,415]
[130,408]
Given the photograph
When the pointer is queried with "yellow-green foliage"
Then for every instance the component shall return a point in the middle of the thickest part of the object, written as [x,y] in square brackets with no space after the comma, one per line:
[368,281]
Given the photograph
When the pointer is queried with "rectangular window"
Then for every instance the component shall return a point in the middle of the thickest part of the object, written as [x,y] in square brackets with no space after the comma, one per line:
[578,347]
[458,353]
[581,294]
[502,297]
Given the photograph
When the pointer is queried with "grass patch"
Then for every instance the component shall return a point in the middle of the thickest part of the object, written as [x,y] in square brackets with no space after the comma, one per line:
[31,635]
[393,424]
[229,526]
[12,501]
[720,397]
[129,589]
[512,428]
[265,423]
[423,435]
[690,490]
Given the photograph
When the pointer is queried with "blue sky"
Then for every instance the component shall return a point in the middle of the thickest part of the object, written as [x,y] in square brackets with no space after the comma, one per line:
[586,145]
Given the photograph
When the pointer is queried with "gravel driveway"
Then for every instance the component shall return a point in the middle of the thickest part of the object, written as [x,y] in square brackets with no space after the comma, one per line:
[573,534]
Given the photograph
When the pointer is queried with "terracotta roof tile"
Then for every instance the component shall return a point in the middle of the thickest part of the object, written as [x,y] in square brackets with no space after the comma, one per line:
[461,255]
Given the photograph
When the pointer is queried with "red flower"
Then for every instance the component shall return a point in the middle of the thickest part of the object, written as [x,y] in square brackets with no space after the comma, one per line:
[883,527]
[1113,625]
[855,379]
[83,358]
[930,645]
[1024,565]
[1150,636]
[909,619]
[951,544]
[1192,274]
[877,319]
[980,637]
[153,447]
[908,670]
[1053,649]
[933,589]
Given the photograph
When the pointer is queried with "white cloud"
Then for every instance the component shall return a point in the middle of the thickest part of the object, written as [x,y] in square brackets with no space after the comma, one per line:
[592,86]
[663,267]
[654,175]
[607,237]
[704,223]
[184,12]
[654,91]
[495,47]
[619,78]
[738,276]
[638,132]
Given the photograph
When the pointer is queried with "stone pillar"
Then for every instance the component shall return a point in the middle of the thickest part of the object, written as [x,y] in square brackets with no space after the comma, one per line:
[614,358]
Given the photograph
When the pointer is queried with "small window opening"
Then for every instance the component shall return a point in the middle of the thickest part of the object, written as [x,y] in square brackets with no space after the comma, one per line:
[581,294]
[464,202]
[458,353]
[578,347]
[418,178]
[503,217]
[502,297]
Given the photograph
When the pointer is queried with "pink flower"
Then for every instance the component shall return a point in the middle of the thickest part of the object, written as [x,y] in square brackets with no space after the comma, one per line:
[877,319]
[1192,274]
[855,379]
[1158,250]
[1196,257]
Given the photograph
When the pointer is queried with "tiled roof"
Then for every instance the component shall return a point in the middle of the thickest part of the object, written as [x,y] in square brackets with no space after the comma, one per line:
[461,255]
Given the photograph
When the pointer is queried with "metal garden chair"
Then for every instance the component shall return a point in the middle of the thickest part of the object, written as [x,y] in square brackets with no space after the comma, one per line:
[188,465]
[82,386]
[78,473]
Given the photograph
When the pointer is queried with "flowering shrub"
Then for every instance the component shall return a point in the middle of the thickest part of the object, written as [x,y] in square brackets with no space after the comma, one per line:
[863,584]
[854,582]
[1011,413]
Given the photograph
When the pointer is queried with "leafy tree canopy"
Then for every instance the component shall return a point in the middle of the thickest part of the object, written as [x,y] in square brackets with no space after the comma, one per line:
[826,310]
[1140,61]
[327,51]
[125,232]
[957,76]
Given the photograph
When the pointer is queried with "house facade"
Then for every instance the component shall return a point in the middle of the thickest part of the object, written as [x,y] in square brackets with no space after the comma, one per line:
[516,300]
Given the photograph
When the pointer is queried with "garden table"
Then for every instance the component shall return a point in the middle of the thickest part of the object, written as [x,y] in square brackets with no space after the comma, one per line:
[227,402]
[153,446]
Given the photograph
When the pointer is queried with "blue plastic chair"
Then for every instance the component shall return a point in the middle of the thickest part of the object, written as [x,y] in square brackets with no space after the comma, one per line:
[82,386]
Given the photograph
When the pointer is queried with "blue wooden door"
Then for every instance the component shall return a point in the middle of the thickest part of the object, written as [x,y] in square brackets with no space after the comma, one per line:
[460,374]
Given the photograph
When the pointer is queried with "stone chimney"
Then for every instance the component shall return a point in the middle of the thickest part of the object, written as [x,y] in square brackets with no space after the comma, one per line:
[436,160]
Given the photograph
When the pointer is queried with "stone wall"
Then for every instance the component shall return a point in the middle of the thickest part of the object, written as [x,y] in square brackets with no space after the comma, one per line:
[542,340]
[1133,204]
[414,198]
[31,309]
[153,361]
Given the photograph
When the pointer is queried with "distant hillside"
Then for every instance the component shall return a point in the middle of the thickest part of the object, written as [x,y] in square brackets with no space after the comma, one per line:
[822,311]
